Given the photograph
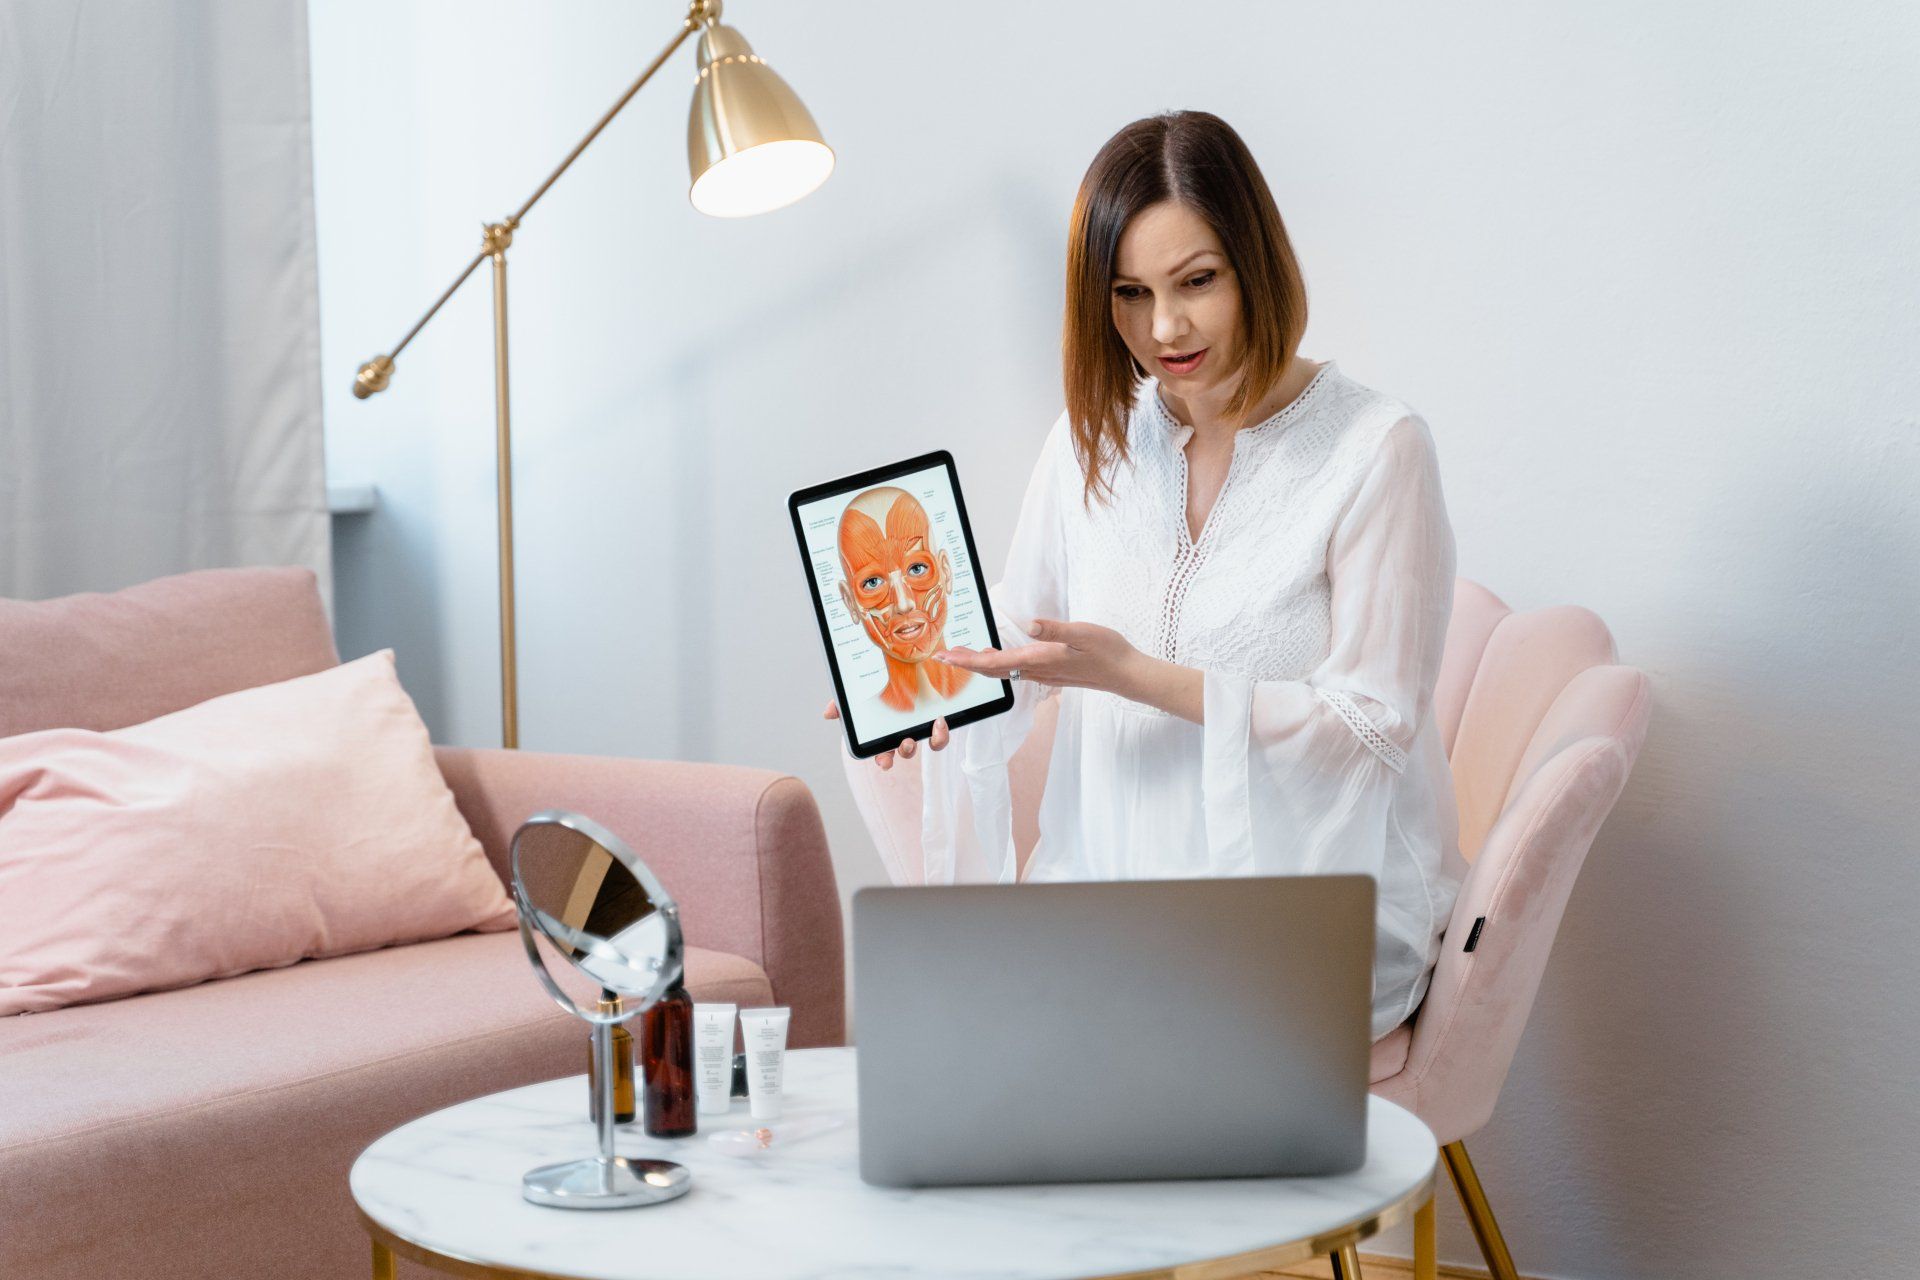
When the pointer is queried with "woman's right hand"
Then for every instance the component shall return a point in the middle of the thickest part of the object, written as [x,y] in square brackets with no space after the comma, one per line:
[906,749]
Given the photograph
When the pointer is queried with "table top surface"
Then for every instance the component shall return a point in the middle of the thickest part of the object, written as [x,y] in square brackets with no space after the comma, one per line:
[449,1183]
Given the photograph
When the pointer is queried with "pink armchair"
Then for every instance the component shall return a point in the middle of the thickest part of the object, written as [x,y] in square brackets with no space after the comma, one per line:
[208,1131]
[1542,728]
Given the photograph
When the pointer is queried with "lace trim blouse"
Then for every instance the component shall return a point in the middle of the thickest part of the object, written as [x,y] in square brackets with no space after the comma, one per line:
[1315,602]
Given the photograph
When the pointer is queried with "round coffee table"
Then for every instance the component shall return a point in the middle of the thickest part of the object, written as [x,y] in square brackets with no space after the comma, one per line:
[444,1190]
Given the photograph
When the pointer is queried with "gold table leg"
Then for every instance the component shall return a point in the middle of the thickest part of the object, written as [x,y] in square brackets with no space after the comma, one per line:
[1346,1264]
[1426,1249]
[382,1262]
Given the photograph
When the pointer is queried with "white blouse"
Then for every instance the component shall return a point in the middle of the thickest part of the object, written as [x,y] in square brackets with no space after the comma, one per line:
[1315,601]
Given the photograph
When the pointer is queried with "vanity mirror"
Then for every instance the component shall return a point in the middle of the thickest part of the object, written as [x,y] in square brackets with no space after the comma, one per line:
[590,899]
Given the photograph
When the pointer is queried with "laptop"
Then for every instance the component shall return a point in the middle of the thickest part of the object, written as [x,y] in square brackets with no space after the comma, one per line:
[1095,1032]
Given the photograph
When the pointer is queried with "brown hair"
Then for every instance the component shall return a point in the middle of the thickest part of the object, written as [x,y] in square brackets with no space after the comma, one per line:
[1195,158]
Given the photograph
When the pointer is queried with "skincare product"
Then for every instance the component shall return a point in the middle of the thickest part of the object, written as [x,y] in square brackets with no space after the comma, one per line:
[623,1108]
[666,1060]
[764,1032]
[713,1056]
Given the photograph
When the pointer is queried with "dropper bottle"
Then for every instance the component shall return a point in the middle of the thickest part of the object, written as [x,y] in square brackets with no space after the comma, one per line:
[623,1092]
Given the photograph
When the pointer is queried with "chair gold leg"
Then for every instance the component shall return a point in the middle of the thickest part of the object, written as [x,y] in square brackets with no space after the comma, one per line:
[382,1262]
[1493,1246]
[1426,1250]
[1346,1264]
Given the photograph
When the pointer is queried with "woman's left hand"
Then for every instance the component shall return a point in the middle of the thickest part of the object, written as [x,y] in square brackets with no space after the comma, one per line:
[1074,655]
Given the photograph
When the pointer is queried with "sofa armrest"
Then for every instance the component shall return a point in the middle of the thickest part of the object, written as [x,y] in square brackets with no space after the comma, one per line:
[741,850]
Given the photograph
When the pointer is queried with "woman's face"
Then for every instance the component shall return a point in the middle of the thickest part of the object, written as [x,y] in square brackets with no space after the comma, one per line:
[1176,302]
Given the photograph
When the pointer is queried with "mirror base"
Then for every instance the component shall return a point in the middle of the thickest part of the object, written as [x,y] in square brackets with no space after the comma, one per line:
[621,1183]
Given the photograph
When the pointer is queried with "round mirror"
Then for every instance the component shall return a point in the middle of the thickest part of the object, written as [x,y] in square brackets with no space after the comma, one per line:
[580,889]
[584,891]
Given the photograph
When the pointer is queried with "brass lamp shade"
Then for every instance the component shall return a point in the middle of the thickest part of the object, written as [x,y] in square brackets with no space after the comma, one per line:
[752,146]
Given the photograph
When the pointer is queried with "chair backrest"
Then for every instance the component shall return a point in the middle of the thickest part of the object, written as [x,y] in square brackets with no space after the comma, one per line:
[1542,727]
[107,661]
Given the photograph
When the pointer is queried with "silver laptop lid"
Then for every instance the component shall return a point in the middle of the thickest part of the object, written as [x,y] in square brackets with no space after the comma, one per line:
[1093,1032]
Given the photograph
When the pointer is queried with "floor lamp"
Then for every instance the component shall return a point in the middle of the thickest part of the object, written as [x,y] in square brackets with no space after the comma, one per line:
[751,148]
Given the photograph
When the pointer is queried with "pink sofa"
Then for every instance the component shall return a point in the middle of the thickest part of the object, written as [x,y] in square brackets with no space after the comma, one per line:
[208,1131]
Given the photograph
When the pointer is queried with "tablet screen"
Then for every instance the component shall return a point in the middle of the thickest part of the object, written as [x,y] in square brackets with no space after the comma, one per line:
[893,572]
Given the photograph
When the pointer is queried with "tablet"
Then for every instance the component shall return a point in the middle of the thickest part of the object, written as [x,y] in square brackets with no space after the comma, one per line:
[892,572]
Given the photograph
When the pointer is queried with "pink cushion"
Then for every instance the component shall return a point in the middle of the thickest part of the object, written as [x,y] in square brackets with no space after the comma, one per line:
[304,818]
[1476,612]
[108,661]
[1527,661]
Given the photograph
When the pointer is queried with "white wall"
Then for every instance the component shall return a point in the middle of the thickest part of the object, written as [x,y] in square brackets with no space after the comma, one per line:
[1649,271]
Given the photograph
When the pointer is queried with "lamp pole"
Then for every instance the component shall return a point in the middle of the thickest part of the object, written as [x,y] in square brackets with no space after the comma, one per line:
[498,237]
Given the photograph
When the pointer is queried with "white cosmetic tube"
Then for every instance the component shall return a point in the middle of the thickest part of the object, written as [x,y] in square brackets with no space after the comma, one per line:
[713,1058]
[764,1032]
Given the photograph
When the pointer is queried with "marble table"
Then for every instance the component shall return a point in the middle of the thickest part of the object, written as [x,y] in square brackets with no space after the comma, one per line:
[444,1190]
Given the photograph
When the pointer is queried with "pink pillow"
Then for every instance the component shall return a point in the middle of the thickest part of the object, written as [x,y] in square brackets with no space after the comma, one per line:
[305,818]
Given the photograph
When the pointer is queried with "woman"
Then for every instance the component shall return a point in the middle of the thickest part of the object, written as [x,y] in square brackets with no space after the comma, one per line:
[1234,568]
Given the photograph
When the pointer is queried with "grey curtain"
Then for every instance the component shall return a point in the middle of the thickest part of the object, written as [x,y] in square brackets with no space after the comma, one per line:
[159,312]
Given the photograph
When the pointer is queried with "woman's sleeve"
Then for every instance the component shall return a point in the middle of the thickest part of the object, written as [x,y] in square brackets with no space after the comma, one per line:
[965,805]
[1299,775]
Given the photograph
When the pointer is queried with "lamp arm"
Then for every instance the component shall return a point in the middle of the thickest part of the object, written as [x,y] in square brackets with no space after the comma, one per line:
[376,373]
[439,302]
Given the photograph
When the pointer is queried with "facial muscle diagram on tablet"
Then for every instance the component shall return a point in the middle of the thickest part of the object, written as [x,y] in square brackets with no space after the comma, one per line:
[897,584]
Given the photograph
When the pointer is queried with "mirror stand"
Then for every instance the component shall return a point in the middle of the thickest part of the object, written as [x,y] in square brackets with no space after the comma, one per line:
[606,1180]
[576,885]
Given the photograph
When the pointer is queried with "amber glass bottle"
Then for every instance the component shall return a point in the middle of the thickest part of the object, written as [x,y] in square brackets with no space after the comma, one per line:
[666,1058]
[623,1100]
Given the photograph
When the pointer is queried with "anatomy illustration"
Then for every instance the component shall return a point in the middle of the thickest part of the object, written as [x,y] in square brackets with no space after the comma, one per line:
[897,586]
